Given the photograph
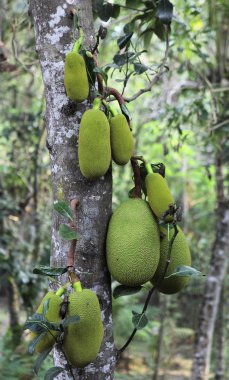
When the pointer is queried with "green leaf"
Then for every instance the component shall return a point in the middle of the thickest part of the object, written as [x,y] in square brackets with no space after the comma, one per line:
[124,40]
[122,290]
[103,73]
[122,59]
[53,372]
[139,320]
[125,111]
[63,209]
[35,323]
[40,360]
[32,345]
[45,307]
[49,271]
[90,66]
[165,11]
[70,320]
[67,233]
[140,68]
[184,270]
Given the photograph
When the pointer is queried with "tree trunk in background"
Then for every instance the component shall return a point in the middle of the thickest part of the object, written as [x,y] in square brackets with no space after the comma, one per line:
[219,340]
[14,310]
[53,29]
[214,283]
[159,354]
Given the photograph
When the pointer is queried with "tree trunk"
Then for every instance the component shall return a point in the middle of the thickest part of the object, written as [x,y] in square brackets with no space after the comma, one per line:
[53,29]
[219,340]
[214,283]
[158,359]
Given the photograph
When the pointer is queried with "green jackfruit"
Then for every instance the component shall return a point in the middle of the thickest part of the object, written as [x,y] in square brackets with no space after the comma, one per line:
[94,144]
[75,77]
[82,340]
[133,244]
[52,315]
[180,255]
[159,195]
[122,142]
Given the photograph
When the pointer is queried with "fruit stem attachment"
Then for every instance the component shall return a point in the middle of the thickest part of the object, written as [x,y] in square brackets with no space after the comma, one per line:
[79,42]
[62,289]
[110,108]
[148,168]
[96,103]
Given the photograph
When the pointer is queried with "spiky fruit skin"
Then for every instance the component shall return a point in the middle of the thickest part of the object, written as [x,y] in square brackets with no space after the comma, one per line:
[94,144]
[159,195]
[122,142]
[133,243]
[180,255]
[82,340]
[52,315]
[75,77]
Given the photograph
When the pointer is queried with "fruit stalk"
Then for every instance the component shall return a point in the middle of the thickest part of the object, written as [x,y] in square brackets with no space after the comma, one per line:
[79,42]
[137,178]
[170,247]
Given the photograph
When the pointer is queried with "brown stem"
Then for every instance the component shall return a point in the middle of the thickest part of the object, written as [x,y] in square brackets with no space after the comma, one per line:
[116,94]
[99,77]
[137,178]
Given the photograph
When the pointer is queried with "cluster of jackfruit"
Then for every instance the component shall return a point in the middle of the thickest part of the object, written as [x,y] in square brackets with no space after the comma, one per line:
[138,247]
[100,140]
[82,339]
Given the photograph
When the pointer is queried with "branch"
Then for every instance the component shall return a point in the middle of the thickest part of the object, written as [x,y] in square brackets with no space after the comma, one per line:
[157,76]
[135,330]
[137,178]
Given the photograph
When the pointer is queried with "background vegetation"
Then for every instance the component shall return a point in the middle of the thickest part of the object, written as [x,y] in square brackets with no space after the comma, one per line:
[182,122]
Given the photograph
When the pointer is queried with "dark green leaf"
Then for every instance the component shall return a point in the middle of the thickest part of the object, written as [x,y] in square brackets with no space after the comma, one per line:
[48,271]
[63,209]
[70,320]
[131,193]
[124,40]
[45,307]
[140,68]
[105,12]
[183,271]
[97,4]
[67,233]
[53,372]
[102,72]
[159,30]
[90,65]
[133,3]
[125,111]
[35,323]
[139,320]
[116,11]
[122,290]
[40,360]
[165,11]
[32,345]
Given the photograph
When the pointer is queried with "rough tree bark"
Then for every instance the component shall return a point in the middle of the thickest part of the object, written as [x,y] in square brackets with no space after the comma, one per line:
[53,30]
[214,283]
[220,340]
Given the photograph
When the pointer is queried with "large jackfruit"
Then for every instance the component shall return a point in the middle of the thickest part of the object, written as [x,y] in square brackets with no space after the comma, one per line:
[159,195]
[82,340]
[133,243]
[122,142]
[180,255]
[94,144]
[52,315]
[75,77]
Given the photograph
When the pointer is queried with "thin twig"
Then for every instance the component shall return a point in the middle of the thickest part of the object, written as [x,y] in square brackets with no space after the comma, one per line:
[155,79]
[135,329]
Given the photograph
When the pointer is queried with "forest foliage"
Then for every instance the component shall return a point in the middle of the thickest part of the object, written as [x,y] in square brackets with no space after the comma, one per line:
[181,121]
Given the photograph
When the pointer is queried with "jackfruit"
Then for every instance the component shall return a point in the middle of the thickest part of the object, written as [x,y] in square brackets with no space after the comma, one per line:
[82,340]
[180,255]
[159,195]
[122,142]
[133,243]
[52,315]
[94,144]
[75,77]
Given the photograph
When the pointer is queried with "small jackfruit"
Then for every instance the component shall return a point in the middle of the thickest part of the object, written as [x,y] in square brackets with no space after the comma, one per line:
[94,144]
[122,142]
[82,340]
[159,195]
[180,255]
[52,315]
[133,243]
[75,77]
